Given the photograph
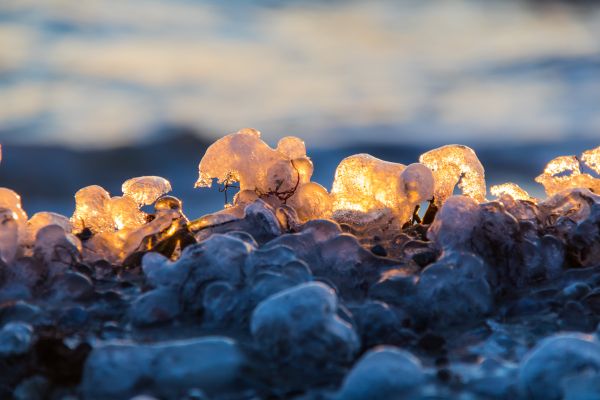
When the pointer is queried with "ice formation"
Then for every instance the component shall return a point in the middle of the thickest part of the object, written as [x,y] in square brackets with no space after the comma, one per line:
[455,165]
[365,184]
[145,190]
[510,189]
[342,295]
[566,172]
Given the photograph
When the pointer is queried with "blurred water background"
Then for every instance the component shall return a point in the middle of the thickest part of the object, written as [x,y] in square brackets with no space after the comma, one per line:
[95,92]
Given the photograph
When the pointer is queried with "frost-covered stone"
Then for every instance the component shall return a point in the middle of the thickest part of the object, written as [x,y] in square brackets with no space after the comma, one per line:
[560,367]
[285,327]
[454,290]
[145,190]
[455,165]
[15,339]
[167,370]
[383,373]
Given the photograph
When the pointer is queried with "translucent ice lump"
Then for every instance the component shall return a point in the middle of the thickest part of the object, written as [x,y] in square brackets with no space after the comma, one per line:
[145,190]
[365,183]
[567,172]
[510,189]
[455,165]
[243,157]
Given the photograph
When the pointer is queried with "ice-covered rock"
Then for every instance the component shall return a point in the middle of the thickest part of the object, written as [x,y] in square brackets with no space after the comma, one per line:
[145,190]
[383,373]
[168,370]
[455,165]
[299,326]
[364,183]
[455,290]
[561,367]
[15,339]
[454,223]
[155,307]
[53,244]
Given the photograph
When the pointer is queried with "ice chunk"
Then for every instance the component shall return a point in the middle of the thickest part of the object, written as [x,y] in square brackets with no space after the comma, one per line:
[92,210]
[42,219]
[311,201]
[591,158]
[145,190]
[292,147]
[243,157]
[565,172]
[285,325]
[9,235]
[125,212]
[385,372]
[52,243]
[454,223]
[364,183]
[510,189]
[551,369]
[12,201]
[168,369]
[455,164]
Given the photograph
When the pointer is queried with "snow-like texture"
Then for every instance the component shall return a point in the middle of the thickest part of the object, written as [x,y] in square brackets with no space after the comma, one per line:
[303,287]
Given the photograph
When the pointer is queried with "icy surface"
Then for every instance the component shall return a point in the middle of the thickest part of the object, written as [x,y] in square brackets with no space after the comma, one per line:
[455,165]
[145,190]
[304,294]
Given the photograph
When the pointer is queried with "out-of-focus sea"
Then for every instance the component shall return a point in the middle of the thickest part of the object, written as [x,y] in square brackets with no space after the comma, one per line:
[95,92]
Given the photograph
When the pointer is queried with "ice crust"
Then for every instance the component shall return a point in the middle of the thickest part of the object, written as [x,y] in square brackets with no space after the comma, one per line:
[313,295]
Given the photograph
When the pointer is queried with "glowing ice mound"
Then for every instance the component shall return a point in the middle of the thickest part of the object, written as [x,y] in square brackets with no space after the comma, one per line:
[365,184]
[510,189]
[455,164]
[145,190]
[567,172]
[91,205]
[243,157]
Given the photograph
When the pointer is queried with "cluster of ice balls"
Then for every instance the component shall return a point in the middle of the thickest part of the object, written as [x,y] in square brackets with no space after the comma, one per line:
[293,291]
